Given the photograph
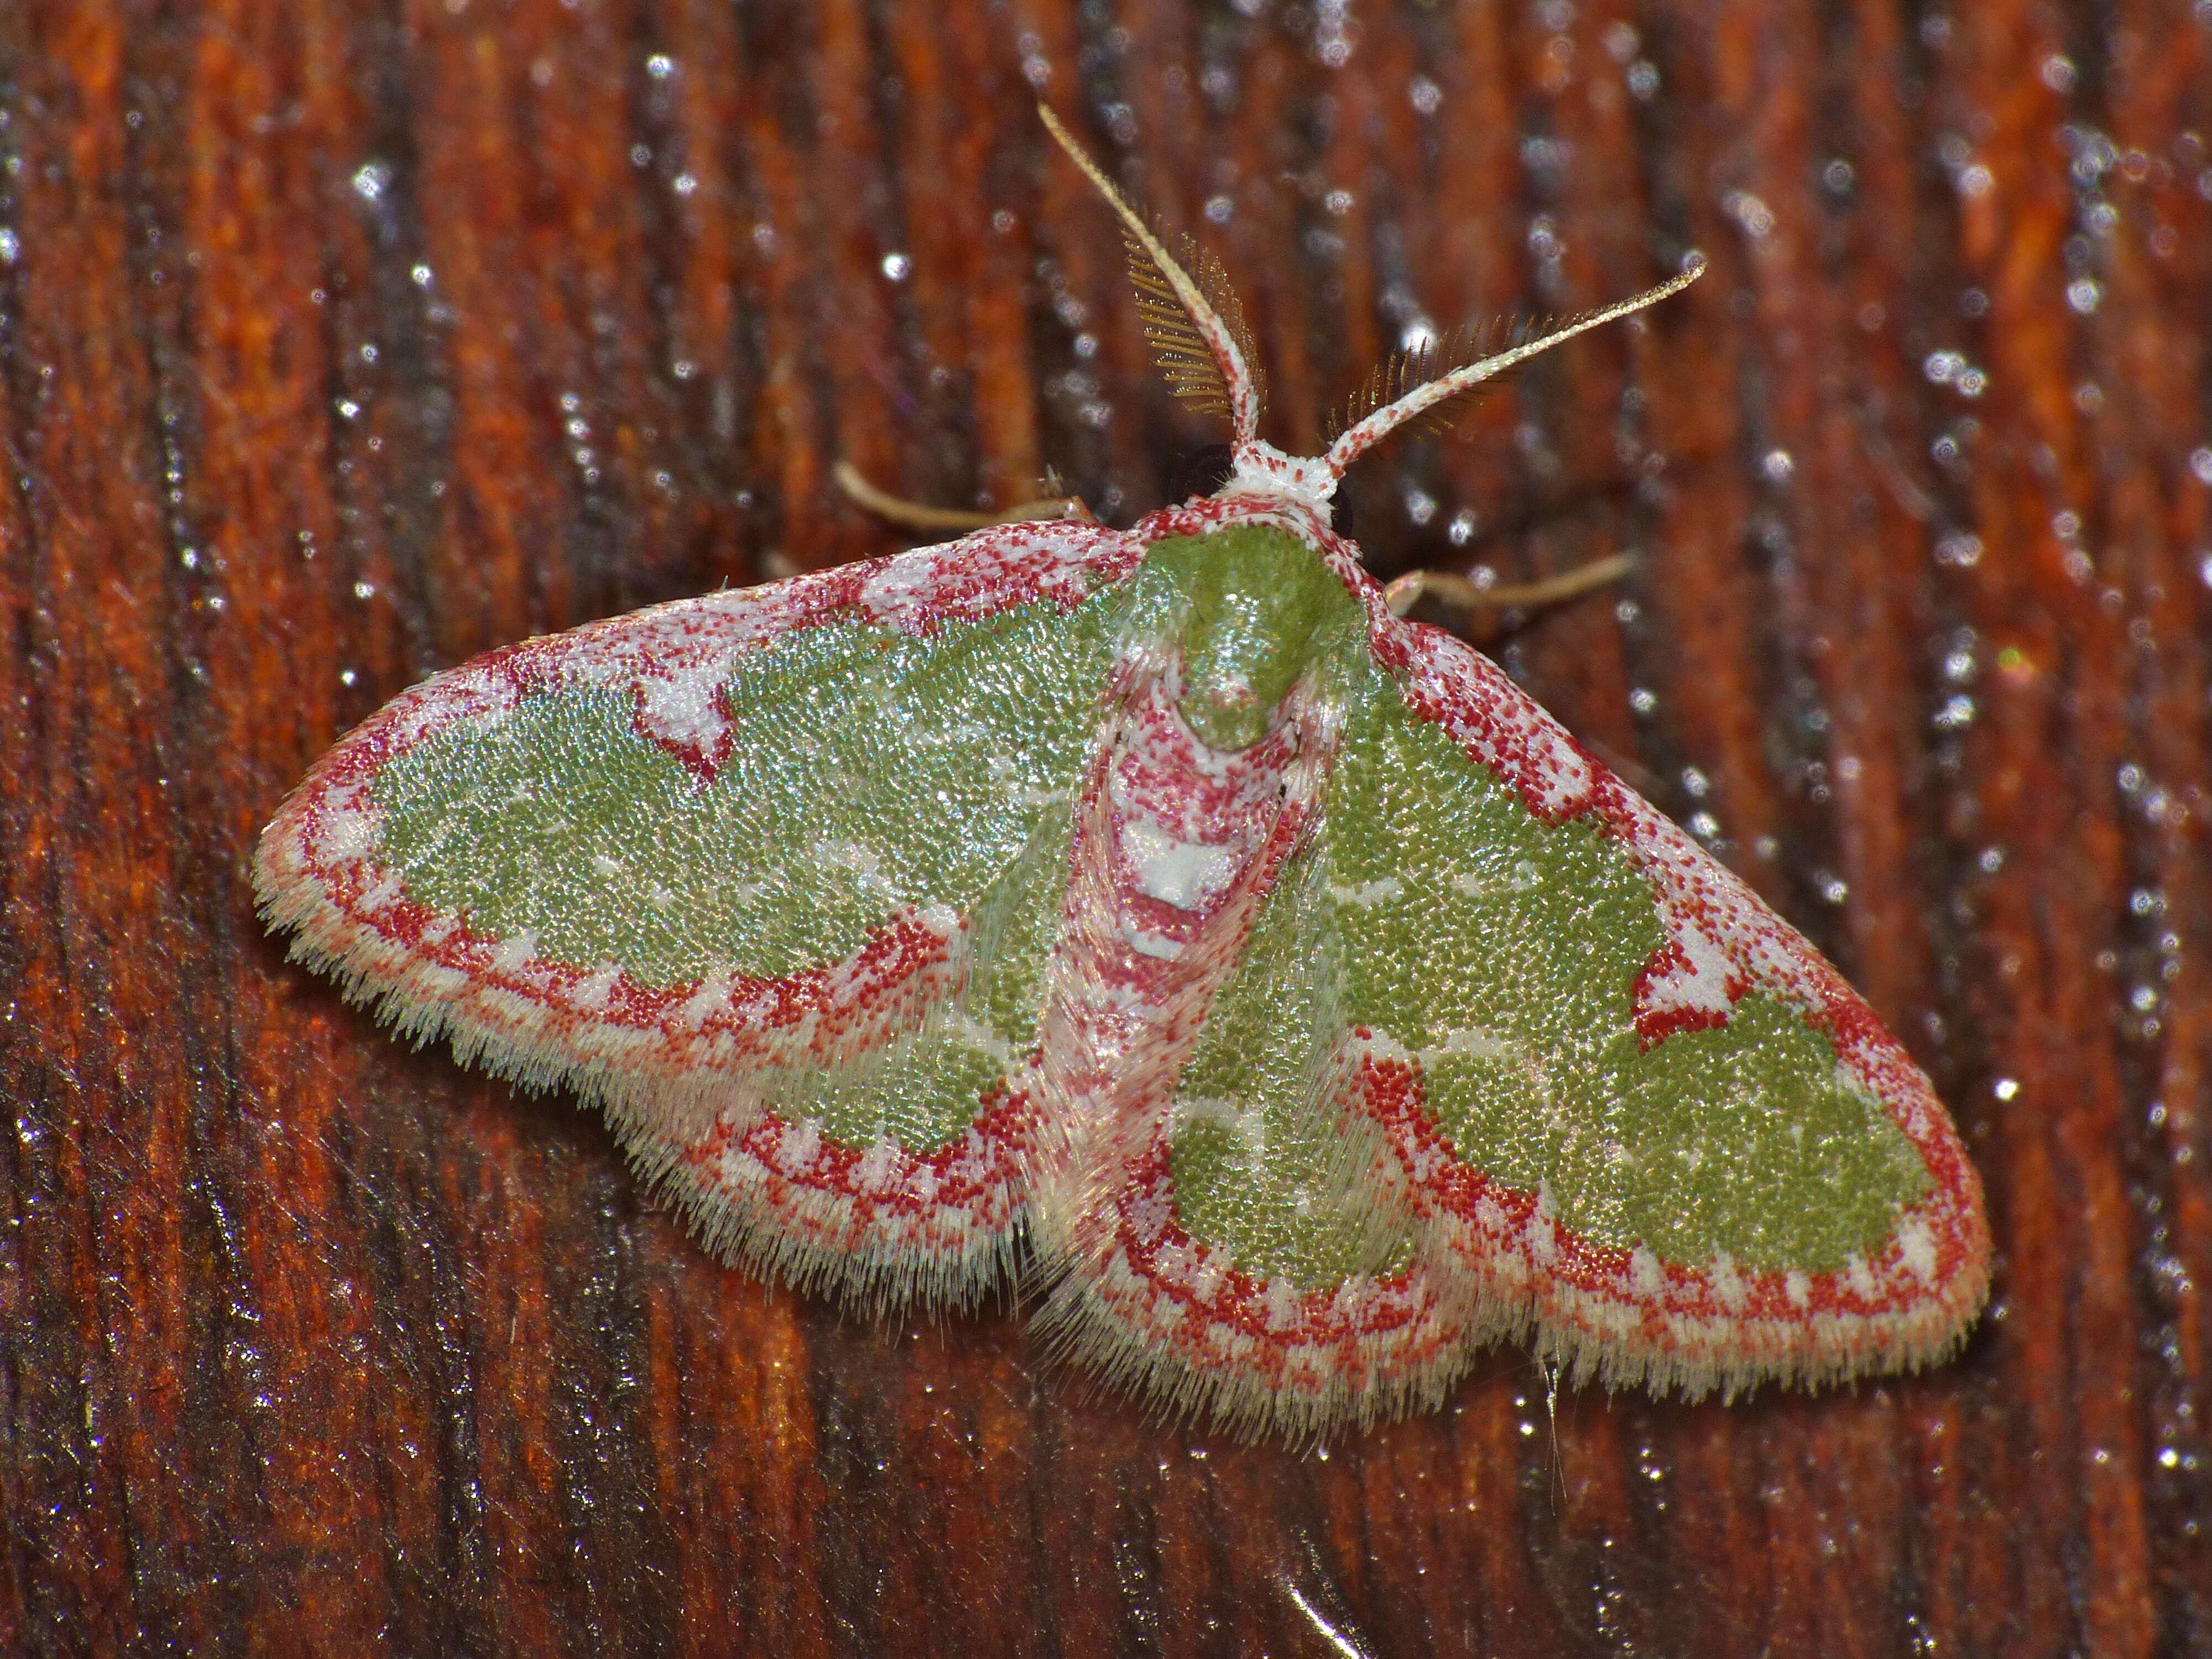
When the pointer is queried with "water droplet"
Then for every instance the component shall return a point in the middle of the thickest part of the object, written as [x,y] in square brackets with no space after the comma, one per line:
[1748,210]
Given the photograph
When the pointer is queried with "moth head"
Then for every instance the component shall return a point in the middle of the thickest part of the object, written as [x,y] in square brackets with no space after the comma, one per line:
[1196,328]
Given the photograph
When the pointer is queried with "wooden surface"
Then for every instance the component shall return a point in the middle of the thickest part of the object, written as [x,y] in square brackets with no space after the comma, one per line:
[343,339]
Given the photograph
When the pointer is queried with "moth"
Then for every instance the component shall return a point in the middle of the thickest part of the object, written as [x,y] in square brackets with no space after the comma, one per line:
[1159,917]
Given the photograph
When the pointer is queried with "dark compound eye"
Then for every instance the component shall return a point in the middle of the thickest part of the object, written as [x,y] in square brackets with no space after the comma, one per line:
[1339,511]
[1200,471]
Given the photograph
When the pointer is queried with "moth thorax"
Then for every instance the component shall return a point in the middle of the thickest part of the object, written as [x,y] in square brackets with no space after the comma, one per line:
[1257,607]
[1236,669]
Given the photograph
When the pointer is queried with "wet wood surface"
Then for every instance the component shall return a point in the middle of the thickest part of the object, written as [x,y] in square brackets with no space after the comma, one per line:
[342,339]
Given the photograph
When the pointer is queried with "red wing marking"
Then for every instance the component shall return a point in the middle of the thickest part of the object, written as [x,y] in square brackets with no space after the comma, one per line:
[883,1201]
[1367,1340]
[1679,1318]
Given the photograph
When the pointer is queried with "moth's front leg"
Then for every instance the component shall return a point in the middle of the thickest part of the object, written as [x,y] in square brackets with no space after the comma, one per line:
[1462,594]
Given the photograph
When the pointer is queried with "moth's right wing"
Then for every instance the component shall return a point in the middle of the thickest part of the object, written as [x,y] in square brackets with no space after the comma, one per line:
[772,874]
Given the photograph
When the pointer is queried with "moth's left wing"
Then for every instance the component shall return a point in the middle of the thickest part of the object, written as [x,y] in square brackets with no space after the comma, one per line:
[1506,1054]
[773,875]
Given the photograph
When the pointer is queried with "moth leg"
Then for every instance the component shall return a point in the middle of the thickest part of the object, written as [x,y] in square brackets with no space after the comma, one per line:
[915,515]
[1461,594]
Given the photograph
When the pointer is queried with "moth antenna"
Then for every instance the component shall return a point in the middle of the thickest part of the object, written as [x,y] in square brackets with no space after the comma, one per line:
[1195,325]
[1416,365]
[1370,429]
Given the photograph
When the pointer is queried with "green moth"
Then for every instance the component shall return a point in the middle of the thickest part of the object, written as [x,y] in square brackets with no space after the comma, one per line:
[1158,909]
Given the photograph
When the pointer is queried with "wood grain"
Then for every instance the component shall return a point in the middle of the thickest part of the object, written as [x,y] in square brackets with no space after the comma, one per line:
[344,338]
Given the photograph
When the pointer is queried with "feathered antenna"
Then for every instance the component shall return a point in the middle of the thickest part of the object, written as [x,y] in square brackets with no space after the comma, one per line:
[1195,326]
[1178,347]
[1416,366]
[1412,386]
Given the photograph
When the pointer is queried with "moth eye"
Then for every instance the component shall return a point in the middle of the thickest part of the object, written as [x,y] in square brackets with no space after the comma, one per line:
[1339,512]
[1200,471]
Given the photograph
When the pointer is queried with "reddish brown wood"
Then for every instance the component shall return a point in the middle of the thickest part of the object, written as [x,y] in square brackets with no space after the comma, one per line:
[309,314]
